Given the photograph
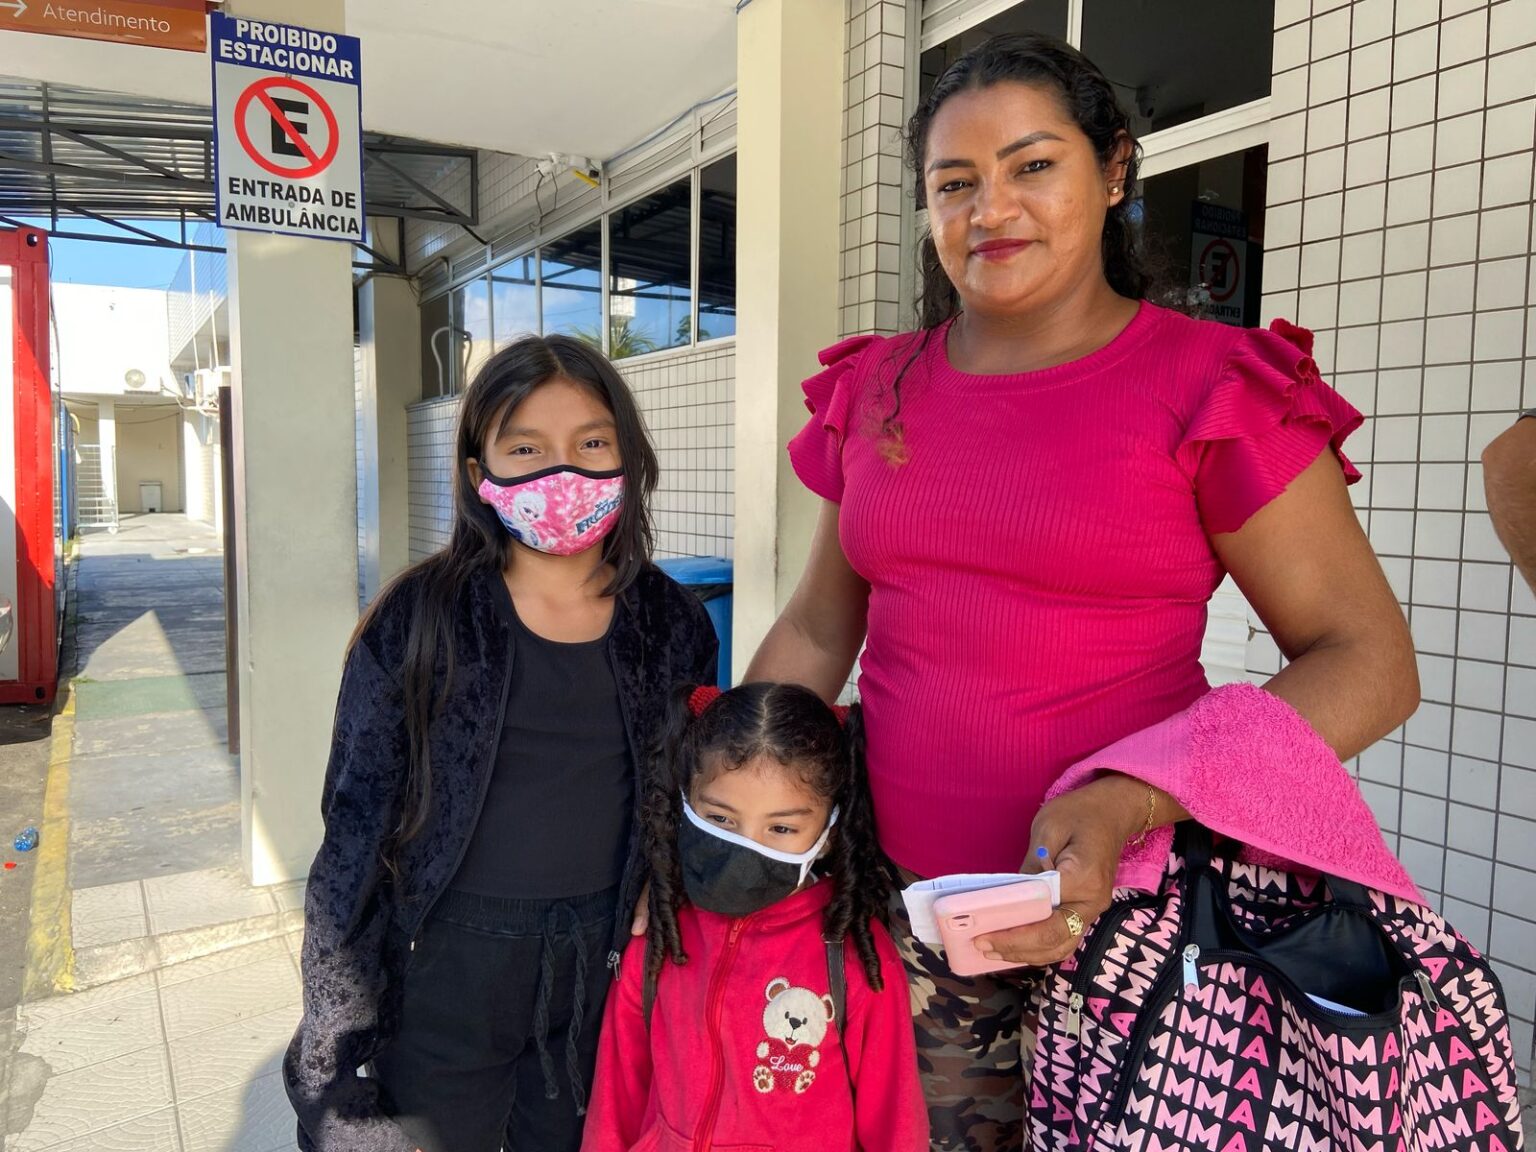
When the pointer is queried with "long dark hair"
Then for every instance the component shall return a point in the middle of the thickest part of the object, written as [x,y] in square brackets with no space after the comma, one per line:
[479,542]
[793,726]
[1089,98]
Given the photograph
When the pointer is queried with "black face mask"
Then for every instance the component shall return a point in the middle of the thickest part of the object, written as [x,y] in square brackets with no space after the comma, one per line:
[734,876]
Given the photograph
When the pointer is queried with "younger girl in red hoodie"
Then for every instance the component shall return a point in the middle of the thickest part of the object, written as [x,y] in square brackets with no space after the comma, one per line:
[767,1007]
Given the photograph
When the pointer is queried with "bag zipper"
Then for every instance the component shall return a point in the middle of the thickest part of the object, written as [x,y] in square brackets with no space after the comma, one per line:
[1189,968]
[1417,980]
[1139,1038]
[1103,933]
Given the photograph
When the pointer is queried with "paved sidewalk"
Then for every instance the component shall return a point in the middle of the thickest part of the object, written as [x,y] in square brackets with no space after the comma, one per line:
[161,990]
[184,1058]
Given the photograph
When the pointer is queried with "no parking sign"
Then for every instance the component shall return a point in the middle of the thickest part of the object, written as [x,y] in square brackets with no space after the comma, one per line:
[287,129]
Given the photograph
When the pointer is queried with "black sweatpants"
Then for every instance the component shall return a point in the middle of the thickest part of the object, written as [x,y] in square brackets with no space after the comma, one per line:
[498,1030]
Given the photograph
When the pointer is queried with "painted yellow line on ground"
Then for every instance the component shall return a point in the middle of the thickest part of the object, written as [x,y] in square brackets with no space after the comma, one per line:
[50,939]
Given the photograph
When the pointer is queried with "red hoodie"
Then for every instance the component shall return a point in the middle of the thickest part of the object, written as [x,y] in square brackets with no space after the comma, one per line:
[741,1054]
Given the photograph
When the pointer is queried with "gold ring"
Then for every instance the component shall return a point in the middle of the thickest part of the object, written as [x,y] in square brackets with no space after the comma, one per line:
[1074,922]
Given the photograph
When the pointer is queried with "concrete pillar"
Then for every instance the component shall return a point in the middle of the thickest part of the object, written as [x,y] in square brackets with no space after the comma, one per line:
[789,69]
[295,499]
[389,323]
[106,436]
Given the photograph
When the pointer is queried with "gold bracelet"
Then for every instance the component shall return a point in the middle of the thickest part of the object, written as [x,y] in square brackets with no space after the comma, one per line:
[1146,828]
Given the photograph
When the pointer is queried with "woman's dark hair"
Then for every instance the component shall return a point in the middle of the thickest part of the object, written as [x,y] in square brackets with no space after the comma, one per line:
[793,726]
[1088,97]
[479,542]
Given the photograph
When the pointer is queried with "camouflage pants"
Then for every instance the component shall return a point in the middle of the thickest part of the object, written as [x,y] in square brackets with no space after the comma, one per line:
[975,1045]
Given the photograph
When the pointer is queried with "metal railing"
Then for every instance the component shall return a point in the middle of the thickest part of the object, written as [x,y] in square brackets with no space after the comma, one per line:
[96,497]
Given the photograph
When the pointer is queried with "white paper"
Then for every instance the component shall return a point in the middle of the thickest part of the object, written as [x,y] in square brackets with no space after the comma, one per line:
[919,897]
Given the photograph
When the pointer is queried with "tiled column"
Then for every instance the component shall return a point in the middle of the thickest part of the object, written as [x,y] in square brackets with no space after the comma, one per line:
[1399,228]
[873,179]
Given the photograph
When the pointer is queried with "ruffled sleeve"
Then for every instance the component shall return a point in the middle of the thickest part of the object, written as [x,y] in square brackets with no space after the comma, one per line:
[1268,416]
[816,453]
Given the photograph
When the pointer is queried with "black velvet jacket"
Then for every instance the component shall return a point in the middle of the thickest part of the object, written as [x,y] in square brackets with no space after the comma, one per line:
[359,921]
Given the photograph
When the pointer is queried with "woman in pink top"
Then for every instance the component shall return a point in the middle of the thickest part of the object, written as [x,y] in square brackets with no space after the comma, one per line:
[1028,504]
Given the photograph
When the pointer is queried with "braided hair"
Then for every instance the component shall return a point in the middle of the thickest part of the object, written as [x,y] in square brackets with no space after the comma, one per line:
[793,726]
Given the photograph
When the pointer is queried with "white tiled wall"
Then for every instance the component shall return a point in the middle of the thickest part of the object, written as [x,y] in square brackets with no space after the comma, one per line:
[1399,228]
[429,449]
[689,403]
[873,180]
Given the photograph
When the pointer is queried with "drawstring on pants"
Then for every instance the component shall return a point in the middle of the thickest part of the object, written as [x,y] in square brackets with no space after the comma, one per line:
[552,918]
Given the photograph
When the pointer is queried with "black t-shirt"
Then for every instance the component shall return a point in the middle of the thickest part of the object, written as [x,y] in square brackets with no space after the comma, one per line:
[557,814]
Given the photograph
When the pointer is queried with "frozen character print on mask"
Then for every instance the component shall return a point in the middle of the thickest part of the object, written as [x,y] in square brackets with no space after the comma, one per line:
[527,510]
[796,1021]
[560,511]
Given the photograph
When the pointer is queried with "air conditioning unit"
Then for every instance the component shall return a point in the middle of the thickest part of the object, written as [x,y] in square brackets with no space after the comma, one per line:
[206,383]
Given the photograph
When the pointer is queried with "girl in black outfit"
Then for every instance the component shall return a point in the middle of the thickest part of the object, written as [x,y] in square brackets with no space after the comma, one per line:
[480,870]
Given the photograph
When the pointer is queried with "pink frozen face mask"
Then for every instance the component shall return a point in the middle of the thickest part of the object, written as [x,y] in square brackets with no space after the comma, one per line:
[561,510]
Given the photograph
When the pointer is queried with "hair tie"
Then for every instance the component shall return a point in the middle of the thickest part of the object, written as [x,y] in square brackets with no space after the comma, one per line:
[703,696]
[841,712]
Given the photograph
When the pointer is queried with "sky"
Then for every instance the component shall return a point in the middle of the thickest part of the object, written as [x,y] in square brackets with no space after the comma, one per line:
[119,265]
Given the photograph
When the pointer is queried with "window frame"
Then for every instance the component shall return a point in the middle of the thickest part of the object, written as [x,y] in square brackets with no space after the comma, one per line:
[1219,134]
[643,170]
[537,253]
[693,176]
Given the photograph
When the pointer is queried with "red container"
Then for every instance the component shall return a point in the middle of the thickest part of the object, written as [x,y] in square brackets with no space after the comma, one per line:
[29,667]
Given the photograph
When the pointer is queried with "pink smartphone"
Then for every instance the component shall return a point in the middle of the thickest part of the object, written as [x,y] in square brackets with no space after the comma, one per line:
[966,915]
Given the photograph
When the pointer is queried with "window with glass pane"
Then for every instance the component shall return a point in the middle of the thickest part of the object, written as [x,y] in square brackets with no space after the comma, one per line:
[472,324]
[1172,63]
[717,250]
[1047,16]
[437,347]
[572,271]
[515,300]
[650,293]
[1204,228]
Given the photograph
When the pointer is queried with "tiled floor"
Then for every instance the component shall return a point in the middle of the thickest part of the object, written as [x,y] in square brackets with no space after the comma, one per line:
[122,929]
[181,1060]
[113,913]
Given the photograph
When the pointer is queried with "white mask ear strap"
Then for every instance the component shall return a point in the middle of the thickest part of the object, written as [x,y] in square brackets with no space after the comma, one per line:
[818,849]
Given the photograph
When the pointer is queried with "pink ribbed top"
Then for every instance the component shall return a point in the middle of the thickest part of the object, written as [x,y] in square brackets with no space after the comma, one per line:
[1039,566]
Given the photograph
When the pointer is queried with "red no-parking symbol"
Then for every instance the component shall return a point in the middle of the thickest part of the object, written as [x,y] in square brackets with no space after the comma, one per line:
[287,107]
[1220,269]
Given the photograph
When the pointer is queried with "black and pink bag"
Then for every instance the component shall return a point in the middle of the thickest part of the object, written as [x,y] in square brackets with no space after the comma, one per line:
[1250,1010]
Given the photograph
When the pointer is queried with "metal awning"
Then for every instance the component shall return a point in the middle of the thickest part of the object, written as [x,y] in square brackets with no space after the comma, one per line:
[69,152]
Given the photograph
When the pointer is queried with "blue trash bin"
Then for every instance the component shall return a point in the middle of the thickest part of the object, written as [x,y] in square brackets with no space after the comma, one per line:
[712,580]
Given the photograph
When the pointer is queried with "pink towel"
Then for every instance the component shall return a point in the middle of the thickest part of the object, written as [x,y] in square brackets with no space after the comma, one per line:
[1246,765]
